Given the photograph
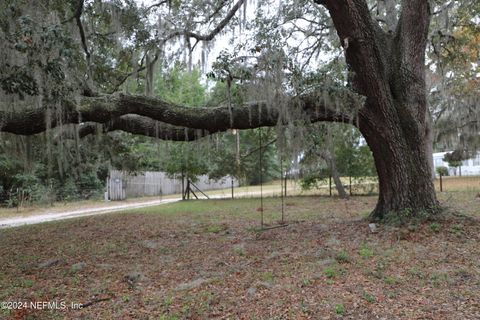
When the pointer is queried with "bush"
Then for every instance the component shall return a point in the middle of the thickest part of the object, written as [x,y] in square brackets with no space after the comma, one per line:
[67,191]
[442,171]
[90,186]
[28,187]
[311,182]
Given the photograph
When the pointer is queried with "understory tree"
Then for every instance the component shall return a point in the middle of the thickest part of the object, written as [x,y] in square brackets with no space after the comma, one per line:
[68,68]
[343,154]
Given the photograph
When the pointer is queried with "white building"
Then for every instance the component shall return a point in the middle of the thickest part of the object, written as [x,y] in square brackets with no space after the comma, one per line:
[470,167]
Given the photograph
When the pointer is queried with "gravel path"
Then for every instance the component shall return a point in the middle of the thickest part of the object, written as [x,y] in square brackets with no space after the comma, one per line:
[75,213]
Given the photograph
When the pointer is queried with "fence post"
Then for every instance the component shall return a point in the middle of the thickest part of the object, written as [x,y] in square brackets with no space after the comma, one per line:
[51,194]
[183,186]
[330,184]
[350,184]
[232,187]
[441,184]
[105,195]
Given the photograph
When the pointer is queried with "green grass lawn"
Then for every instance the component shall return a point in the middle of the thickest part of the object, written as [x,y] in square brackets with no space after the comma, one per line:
[249,209]
[207,260]
[454,188]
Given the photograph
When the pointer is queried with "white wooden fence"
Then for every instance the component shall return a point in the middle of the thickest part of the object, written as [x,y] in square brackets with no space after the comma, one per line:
[121,185]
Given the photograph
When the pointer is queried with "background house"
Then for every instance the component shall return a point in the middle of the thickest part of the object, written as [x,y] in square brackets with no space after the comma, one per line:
[469,167]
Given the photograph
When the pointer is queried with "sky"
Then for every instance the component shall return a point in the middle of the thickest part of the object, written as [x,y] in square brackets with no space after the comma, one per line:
[221,42]
[229,40]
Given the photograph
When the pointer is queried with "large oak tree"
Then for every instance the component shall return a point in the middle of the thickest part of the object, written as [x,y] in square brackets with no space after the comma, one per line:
[385,96]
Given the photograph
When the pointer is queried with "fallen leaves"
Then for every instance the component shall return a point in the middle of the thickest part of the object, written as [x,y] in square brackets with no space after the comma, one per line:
[206,265]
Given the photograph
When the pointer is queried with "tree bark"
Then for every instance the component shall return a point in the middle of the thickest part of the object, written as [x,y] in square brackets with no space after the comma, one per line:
[389,69]
[405,184]
[330,159]
[336,179]
[116,111]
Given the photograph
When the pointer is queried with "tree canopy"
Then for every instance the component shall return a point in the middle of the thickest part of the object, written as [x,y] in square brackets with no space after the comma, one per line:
[63,57]
[76,68]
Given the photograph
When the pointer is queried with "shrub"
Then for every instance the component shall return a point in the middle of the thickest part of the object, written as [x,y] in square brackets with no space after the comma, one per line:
[31,188]
[310,182]
[442,171]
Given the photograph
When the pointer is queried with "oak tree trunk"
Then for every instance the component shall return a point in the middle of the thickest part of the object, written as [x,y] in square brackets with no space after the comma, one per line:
[406,187]
[388,68]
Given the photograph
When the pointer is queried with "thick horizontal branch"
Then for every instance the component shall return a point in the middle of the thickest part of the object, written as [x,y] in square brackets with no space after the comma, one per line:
[141,126]
[121,112]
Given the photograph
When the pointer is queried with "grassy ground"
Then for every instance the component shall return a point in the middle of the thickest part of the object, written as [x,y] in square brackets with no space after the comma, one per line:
[466,183]
[466,202]
[206,259]
[35,209]
[359,186]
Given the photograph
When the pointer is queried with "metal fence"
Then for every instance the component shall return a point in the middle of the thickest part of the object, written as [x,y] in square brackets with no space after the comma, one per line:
[361,186]
[121,186]
[457,183]
[369,185]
